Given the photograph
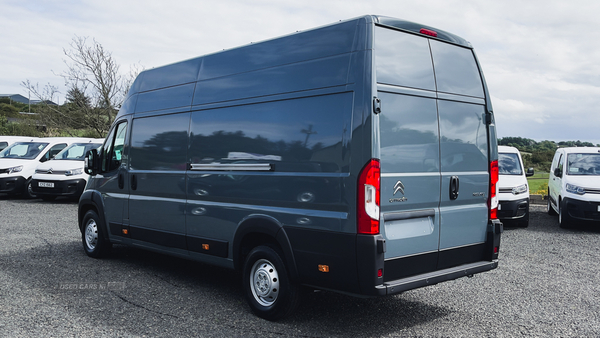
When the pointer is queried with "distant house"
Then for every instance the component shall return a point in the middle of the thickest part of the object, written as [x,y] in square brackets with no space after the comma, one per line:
[22,99]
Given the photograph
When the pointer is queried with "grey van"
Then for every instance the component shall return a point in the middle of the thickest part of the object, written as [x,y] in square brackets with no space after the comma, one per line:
[359,157]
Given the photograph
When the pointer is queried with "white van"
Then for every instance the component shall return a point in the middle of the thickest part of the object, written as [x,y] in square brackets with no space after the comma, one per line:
[19,160]
[574,185]
[5,141]
[513,194]
[63,175]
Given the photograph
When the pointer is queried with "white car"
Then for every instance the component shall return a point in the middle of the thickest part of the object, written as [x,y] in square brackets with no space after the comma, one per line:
[63,175]
[5,141]
[574,185]
[19,160]
[513,191]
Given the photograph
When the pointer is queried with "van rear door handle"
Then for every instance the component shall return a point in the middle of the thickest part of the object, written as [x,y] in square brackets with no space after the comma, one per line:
[454,185]
[133,182]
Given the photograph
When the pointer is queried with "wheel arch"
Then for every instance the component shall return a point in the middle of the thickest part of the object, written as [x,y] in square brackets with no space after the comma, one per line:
[92,200]
[257,230]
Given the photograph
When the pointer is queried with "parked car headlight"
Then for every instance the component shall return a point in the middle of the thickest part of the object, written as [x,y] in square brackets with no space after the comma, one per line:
[15,169]
[72,172]
[520,189]
[573,189]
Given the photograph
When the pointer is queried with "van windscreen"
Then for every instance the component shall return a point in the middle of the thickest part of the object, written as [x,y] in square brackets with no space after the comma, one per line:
[509,164]
[583,164]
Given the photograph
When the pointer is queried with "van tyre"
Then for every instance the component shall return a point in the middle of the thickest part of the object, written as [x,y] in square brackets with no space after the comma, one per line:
[267,286]
[550,210]
[563,216]
[28,190]
[94,242]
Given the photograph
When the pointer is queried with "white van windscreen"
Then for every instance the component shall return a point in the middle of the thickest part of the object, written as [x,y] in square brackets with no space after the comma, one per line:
[583,164]
[509,164]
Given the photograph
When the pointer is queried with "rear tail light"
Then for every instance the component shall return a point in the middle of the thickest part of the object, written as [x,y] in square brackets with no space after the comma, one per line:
[493,201]
[368,198]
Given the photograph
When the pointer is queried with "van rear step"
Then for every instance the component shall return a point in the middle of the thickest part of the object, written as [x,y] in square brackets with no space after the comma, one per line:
[432,278]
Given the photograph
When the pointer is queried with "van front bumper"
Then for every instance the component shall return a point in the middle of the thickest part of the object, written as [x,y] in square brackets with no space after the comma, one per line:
[12,185]
[514,210]
[582,210]
[61,188]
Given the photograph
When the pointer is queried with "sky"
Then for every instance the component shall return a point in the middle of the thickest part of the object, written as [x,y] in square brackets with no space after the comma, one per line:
[540,58]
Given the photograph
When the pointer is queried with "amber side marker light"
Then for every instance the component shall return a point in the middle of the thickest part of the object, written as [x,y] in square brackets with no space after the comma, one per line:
[125,231]
[205,247]
[428,32]
[324,268]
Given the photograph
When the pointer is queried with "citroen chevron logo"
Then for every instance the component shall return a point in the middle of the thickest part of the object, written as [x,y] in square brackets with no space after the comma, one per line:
[50,171]
[399,187]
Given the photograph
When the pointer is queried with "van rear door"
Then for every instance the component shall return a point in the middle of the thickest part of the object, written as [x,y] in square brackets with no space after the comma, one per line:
[433,151]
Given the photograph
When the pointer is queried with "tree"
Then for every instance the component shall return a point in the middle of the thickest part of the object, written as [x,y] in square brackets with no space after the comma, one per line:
[96,89]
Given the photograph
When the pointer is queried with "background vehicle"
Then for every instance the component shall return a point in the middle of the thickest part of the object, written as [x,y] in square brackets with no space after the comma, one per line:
[19,160]
[359,157]
[513,194]
[574,185]
[5,141]
[63,175]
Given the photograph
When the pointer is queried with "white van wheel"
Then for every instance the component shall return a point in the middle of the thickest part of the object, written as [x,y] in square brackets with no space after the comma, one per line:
[28,191]
[563,219]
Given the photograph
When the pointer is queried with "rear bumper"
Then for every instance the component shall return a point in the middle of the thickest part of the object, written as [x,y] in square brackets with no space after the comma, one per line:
[432,278]
[61,188]
[12,185]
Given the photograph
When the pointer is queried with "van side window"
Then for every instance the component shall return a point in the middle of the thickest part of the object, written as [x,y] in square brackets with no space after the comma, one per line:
[159,142]
[560,163]
[112,152]
[53,151]
[298,135]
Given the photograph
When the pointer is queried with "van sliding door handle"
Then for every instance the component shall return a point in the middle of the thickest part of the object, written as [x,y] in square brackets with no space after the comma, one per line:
[121,181]
[454,185]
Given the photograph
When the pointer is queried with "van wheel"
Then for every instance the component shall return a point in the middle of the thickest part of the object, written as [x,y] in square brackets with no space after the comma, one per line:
[94,243]
[267,286]
[28,191]
[563,216]
[550,210]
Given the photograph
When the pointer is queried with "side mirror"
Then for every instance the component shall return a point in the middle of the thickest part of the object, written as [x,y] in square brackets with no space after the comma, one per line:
[529,172]
[557,172]
[91,162]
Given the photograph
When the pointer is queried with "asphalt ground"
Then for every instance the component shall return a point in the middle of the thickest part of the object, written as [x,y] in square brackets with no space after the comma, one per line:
[547,285]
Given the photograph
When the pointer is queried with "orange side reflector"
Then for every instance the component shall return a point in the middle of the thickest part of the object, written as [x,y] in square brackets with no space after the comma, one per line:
[124,231]
[324,268]
[205,246]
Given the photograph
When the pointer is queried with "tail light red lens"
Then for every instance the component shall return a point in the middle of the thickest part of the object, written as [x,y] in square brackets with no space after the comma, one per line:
[368,198]
[428,32]
[493,200]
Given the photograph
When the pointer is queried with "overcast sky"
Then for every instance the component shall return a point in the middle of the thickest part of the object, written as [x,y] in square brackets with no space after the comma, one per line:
[541,59]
